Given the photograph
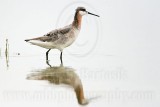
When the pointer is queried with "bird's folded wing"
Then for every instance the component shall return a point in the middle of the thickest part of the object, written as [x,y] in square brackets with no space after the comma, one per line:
[53,35]
[59,32]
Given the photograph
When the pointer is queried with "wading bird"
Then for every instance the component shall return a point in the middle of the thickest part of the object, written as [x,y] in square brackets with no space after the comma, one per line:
[63,37]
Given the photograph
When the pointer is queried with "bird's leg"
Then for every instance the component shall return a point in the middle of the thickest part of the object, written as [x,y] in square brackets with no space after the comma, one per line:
[61,58]
[47,54]
[47,62]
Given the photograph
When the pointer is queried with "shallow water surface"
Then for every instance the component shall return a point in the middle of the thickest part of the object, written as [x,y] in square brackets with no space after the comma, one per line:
[100,81]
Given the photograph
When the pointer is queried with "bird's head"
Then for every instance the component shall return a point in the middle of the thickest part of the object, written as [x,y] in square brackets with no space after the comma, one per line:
[82,11]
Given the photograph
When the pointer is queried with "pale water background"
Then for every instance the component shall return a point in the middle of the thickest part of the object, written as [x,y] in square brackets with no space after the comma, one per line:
[116,56]
[107,81]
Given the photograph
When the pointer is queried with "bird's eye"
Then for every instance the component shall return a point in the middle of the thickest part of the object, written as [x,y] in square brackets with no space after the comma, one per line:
[83,9]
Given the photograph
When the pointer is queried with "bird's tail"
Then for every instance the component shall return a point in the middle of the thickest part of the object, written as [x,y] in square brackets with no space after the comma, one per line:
[41,41]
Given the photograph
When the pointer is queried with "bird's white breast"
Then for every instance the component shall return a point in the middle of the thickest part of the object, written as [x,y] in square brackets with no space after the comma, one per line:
[71,37]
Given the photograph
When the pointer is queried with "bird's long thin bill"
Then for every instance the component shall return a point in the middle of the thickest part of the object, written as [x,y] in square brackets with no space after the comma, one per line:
[93,14]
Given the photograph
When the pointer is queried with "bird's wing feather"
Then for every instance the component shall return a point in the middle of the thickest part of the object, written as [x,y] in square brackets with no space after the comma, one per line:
[53,35]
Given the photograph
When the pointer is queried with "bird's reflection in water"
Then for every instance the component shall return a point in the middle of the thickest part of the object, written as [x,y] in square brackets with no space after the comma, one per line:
[62,75]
